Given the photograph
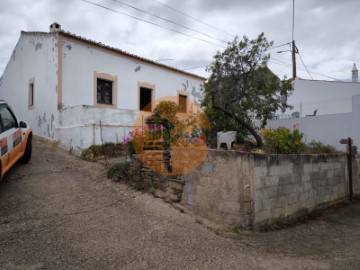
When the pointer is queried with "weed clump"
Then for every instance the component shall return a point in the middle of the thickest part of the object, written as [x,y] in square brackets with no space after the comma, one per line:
[119,171]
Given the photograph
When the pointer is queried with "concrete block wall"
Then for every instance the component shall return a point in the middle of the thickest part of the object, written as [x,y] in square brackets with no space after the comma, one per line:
[287,186]
[356,176]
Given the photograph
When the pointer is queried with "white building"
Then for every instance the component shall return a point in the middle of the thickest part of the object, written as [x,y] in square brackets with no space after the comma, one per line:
[324,97]
[64,86]
[325,111]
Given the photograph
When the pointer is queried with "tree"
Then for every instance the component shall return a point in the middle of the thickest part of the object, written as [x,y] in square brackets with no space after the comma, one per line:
[242,88]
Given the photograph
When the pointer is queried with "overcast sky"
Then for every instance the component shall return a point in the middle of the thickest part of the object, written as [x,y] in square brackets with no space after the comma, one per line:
[326,31]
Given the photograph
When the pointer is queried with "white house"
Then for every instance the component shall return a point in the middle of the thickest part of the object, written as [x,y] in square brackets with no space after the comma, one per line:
[324,97]
[324,111]
[81,92]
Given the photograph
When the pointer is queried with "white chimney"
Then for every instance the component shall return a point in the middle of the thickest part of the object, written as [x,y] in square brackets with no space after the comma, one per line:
[355,76]
[55,27]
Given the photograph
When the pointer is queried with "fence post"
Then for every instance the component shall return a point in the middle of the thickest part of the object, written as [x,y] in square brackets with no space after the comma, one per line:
[349,154]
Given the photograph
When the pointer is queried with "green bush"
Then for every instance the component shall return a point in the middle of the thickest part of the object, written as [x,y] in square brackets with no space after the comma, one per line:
[118,171]
[129,172]
[131,149]
[283,141]
[107,149]
[317,147]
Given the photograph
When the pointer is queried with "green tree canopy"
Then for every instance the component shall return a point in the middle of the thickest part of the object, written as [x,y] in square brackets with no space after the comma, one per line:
[242,88]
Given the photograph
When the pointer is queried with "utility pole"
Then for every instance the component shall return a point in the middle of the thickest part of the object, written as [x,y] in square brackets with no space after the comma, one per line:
[293,48]
[293,52]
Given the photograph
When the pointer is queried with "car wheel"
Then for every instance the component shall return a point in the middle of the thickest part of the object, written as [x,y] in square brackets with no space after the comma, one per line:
[28,149]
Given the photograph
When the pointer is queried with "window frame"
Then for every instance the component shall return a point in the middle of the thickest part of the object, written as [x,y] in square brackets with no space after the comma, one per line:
[103,91]
[31,88]
[144,85]
[145,108]
[185,110]
[114,89]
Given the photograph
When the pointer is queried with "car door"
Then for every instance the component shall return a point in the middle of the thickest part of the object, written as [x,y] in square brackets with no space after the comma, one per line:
[3,148]
[12,134]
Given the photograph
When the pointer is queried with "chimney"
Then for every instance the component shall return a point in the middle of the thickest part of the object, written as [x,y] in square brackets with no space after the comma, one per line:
[355,76]
[55,27]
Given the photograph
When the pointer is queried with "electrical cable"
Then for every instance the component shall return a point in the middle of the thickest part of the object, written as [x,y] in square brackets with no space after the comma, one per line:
[185,69]
[193,18]
[305,66]
[5,52]
[200,39]
[152,23]
[169,21]
[279,62]
[271,48]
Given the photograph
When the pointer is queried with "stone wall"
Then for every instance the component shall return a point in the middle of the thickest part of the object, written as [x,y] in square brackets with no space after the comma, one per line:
[220,189]
[356,176]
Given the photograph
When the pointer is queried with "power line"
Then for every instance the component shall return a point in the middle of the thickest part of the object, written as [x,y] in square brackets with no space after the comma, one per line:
[193,18]
[271,48]
[185,69]
[5,52]
[300,67]
[169,21]
[152,23]
[279,62]
[305,66]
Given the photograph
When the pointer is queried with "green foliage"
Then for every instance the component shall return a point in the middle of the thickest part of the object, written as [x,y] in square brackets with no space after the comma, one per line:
[317,147]
[130,149]
[242,89]
[166,113]
[118,171]
[175,130]
[108,149]
[283,141]
[130,173]
[167,110]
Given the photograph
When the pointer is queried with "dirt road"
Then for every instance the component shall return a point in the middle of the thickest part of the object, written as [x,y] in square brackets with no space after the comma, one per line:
[59,212]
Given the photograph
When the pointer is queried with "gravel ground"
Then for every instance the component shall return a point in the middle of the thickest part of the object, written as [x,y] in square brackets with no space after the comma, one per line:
[59,212]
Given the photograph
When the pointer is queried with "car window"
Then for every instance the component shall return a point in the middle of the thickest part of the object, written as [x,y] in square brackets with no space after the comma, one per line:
[1,126]
[7,118]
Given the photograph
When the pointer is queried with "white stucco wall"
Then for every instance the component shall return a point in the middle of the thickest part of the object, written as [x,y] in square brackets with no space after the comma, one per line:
[81,61]
[34,58]
[328,129]
[327,97]
[80,116]
[83,126]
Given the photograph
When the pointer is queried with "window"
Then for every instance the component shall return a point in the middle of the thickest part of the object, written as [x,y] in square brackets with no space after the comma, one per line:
[145,99]
[31,95]
[104,91]
[183,103]
[8,120]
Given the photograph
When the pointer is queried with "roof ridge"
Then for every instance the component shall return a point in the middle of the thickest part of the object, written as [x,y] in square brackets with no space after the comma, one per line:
[300,79]
[104,46]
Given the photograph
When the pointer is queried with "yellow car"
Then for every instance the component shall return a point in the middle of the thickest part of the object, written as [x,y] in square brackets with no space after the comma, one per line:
[15,139]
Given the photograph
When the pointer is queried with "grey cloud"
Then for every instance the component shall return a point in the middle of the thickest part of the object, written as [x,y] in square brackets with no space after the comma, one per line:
[326,32]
